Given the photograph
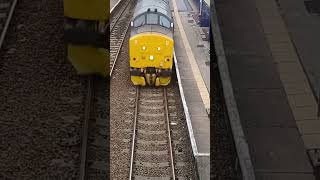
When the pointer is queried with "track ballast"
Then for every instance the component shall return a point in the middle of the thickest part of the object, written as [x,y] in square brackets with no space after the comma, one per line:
[151,152]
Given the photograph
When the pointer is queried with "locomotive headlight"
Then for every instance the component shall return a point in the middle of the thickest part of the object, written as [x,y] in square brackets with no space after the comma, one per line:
[159,48]
[143,48]
[151,57]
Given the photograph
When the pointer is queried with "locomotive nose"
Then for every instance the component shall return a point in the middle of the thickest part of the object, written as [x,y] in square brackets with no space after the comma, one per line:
[150,50]
[150,59]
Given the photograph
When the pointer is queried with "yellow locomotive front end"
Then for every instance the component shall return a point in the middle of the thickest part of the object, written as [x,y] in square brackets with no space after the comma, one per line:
[151,59]
[151,43]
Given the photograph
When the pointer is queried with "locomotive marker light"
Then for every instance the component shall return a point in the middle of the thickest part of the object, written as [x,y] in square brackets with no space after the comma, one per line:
[159,48]
[143,48]
[151,57]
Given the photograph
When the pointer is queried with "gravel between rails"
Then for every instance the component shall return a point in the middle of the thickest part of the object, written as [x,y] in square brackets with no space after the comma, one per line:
[42,98]
[122,99]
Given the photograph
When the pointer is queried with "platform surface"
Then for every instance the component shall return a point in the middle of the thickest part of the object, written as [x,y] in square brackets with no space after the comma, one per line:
[304,28]
[266,76]
[195,82]
[198,41]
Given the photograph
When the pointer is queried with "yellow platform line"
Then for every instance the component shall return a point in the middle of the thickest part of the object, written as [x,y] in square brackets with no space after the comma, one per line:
[194,66]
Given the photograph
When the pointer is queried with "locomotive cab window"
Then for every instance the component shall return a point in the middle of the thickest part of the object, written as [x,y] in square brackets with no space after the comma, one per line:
[139,21]
[164,22]
[152,18]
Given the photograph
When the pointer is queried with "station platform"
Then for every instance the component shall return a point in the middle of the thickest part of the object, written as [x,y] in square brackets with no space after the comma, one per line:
[277,107]
[192,66]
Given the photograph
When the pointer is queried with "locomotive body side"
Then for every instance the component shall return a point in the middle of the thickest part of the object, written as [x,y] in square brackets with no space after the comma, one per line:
[151,43]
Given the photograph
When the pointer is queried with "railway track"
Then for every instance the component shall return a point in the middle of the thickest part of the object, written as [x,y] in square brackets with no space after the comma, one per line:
[119,26]
[93,154]
[85,127]
[151,151]
[6,11]
[148,151]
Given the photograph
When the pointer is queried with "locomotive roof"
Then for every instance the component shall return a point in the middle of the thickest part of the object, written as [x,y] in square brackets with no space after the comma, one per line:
[162,6]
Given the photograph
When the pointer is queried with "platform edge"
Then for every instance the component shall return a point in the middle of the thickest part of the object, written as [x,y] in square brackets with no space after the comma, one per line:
[240,140]
[202,166]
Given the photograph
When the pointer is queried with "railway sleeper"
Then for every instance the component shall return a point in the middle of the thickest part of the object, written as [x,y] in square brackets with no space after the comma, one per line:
[152,178]
[152,164]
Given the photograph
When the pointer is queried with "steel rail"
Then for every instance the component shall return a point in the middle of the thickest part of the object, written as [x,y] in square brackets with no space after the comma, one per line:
[169,133]
[134,131]
[4,30]
[84,140]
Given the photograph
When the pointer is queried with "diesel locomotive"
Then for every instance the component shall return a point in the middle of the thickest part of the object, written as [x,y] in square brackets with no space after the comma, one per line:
[86,23]
[151,43]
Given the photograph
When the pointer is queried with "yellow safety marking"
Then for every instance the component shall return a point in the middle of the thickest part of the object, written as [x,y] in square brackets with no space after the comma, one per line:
[194,66]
